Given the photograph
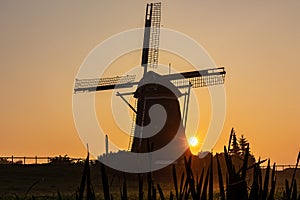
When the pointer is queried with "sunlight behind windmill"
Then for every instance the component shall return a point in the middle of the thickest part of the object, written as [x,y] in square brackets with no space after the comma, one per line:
[193,141]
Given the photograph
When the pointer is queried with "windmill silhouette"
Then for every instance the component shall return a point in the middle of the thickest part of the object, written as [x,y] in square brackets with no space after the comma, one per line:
[154,90]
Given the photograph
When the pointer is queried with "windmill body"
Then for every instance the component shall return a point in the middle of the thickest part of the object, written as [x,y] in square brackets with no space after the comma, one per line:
[155,90]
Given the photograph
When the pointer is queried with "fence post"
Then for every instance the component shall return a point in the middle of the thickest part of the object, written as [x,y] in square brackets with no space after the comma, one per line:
[24,160]
[36,160]
[12,160]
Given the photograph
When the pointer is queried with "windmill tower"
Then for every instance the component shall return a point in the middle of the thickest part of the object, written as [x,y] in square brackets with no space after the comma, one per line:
[155,90]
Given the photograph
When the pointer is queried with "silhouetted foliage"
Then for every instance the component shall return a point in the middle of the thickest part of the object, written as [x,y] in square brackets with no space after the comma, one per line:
[235,149]
[198,185]
[239,146]
[4,161]
[243,143]
[85,184]
[61,160]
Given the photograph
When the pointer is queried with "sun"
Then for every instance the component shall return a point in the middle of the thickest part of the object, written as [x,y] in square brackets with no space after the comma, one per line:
[193,141]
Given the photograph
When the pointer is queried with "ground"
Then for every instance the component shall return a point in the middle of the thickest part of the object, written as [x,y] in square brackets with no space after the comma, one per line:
[49,179]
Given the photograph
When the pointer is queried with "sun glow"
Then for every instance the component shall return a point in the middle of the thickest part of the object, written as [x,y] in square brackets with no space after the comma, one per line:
[193,141]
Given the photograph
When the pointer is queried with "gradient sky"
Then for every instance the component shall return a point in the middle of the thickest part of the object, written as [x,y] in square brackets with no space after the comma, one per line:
[43,43]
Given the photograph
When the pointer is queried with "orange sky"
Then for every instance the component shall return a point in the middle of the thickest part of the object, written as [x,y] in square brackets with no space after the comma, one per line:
[43,43]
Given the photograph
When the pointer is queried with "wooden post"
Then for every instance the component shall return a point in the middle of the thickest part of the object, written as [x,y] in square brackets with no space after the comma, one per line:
[106,145]
[36,160]
[24,160]
[12,160]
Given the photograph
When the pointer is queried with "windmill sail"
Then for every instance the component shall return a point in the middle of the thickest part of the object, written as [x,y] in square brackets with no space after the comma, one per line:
[151,36]
[96,84]
[195,79]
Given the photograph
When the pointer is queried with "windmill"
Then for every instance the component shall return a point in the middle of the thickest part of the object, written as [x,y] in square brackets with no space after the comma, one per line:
[154,89]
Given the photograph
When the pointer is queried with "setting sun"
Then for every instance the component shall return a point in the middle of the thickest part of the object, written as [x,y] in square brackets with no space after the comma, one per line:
[193,141]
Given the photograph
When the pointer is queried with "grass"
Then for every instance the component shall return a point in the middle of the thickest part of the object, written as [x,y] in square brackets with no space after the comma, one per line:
[201,186]
[245,181]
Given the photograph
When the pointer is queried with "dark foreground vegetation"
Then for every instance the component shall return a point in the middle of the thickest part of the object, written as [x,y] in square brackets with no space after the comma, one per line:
[200,186]
[231,175]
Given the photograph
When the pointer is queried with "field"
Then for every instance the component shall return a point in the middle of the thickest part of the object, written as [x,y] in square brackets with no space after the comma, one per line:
[49,179]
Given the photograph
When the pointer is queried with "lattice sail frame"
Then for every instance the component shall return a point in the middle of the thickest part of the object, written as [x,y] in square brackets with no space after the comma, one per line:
[154,36]
[95,84]
[202,78]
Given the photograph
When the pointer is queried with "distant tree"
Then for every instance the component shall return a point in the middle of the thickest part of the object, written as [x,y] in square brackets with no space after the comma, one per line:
[235,149]
[243,144]
[4,161]
[61,160]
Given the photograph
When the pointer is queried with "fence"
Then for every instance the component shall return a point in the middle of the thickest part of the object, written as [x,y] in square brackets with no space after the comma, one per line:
[44,160]
[35,159]
[281,167]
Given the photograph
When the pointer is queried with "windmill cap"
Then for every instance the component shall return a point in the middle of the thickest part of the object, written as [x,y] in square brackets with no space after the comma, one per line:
[155,85]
